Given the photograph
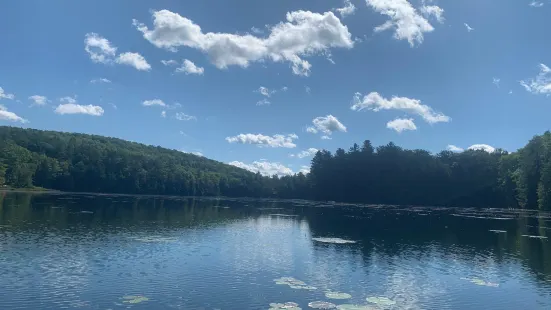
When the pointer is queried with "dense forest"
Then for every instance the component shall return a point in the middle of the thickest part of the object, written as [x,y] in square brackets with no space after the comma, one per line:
[386,174]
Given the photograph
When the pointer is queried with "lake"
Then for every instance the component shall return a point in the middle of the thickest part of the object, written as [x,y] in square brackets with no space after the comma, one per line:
[61,251]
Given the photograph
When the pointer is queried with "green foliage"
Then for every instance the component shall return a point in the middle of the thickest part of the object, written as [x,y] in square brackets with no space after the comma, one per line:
[387,174]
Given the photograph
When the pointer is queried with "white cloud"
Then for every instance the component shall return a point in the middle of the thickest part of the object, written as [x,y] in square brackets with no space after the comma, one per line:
[536,4]
[469,28]
[184,117]
[114,106]
[304,34]
[256,30]
[407,23]
[170,62]
[102,51]
[68,99]
[541,84]
[326,138]
[347,9]
[373,101]
[284,88]
[163,114]
[188,67]
[433,10]
[264,91]
[304,169]
[264,167]
[496,82]
[39,100]
[99,48]
[100,80]
[196,153]
[401,124]
[265,141]
[262,102]
[307,89]
[73,108]
[454,148]
[10,116]
[483,147]
[153,102]
[326,124]
[134,60]
[3,95]
[306,153]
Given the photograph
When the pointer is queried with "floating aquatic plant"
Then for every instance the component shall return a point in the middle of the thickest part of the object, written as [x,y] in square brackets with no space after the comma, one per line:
[481,282]
[354,307]
[134,299]
[535,237]
[383,301]
[337,295]
[333,240]
[321,305]
[293,283]
[155,239]
[287,306]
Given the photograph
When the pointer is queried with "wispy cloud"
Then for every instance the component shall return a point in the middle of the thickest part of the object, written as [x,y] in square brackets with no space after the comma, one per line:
[275,141]
[541,84]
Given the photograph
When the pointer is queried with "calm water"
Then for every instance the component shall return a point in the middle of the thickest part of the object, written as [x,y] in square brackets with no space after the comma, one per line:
[117,252]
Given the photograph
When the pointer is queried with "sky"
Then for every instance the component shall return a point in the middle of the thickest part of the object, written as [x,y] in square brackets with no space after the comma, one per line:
[265,84]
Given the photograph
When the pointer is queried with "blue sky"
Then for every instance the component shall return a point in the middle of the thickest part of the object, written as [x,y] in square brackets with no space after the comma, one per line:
[258,83]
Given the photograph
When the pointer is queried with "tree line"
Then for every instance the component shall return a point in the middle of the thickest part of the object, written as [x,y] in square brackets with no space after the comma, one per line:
[386,174]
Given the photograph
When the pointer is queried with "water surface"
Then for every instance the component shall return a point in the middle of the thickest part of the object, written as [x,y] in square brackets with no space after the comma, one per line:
[117,252]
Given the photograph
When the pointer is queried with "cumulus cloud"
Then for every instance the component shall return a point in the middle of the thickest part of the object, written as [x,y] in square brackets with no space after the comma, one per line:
[102,51]
[536,4]
[181,116]
[433,10]
[541,84]
[196,153]
[375,102]
[303,34]
[134,60]
[469,28]
[149,103]
[406,21]
[73,108]
[264,167]
[188,67]
[163,114]
[326,138]
[401,124]
[38,100]
[100,80]
[4,95]
[348,9]
[265,141]
[264,91]
[10,116]
[304,169]
[454,148]
[326,125]
[99,48]
[306,153]
[483,147]
[264,101]
[170,62]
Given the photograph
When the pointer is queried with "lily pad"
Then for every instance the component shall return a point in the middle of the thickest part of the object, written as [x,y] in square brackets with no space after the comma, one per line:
[383,301]
[337,295]
[535,237]
[287,306]
[481,282]
[156,239]
[333,240]
[294,283]
[134,299]
[354,307]
[321,305]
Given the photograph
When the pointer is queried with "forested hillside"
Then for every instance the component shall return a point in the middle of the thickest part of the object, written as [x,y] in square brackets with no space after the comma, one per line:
[386,174]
